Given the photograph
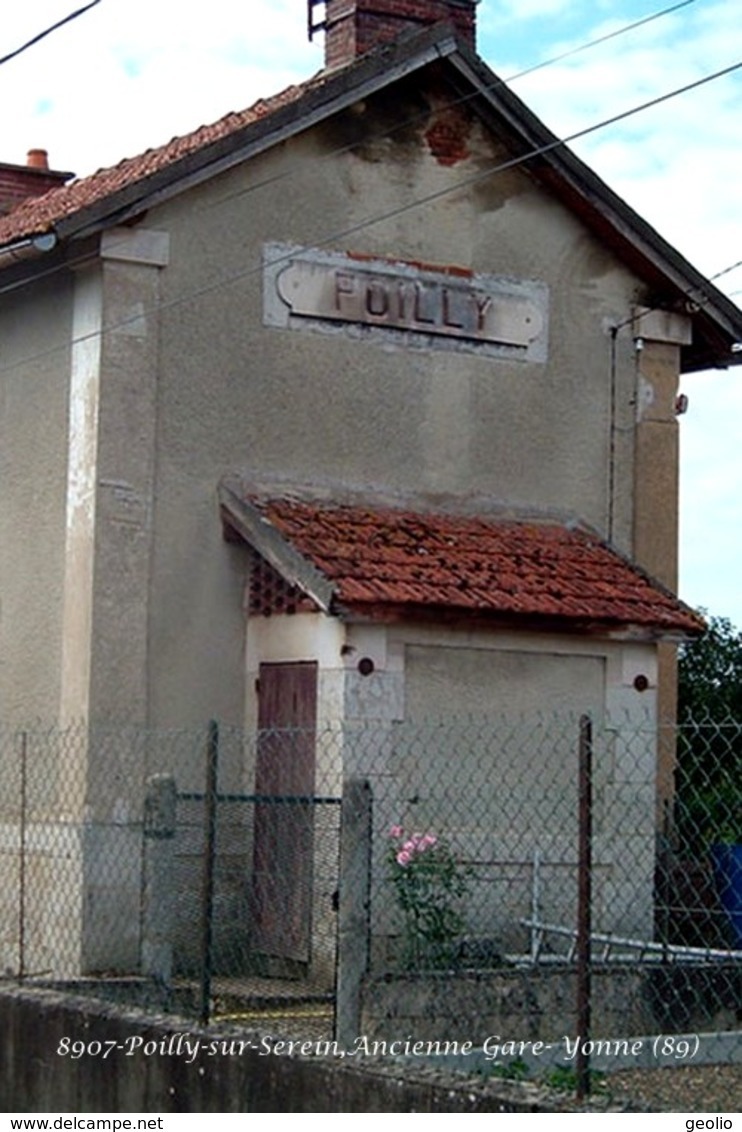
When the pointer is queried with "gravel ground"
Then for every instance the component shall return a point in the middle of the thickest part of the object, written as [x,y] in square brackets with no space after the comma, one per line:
[700,1090]
[686,1088]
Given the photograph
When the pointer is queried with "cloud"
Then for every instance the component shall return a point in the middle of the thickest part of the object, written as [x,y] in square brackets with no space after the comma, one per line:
[511,11]
[114,86]
[123,78]
[678,162]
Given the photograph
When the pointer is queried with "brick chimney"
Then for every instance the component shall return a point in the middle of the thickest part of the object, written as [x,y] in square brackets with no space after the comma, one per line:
[18,182]
[353,27]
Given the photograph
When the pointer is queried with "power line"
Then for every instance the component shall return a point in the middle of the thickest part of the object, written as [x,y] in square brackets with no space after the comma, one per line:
[694,294]
[339,151]
[539,151]
[490,88]
[406,123]
[390,214]
[732,267]
[593,43]
[48,31]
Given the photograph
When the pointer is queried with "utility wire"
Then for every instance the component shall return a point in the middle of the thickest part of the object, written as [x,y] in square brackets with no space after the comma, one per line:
[732,267]
[405,124]
[592,43]
[693,294]
[48,31]
[254,186]
[490,88]
[531,155]
[429,198]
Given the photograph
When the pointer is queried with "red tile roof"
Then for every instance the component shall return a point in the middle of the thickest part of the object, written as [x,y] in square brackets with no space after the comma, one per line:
[407,560]
[41,214]
[121,192]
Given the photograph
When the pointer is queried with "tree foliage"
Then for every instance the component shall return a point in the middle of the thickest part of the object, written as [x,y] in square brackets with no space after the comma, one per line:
[710,675]
[709,771]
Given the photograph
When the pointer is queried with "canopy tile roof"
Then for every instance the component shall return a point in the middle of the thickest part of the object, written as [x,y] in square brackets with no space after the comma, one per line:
[410,563]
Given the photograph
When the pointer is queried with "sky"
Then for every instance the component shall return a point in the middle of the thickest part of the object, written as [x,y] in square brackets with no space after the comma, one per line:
[131,74]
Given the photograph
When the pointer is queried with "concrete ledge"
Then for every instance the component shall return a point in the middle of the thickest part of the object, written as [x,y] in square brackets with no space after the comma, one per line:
[541,1002]
[35,1077]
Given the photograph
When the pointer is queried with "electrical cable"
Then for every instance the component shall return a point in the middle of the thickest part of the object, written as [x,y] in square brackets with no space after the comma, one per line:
[594,42]
[411,121]
[368,222]
[450,104]
[405,124]
[48,31]
[726,270]
[522,159]
[691,294]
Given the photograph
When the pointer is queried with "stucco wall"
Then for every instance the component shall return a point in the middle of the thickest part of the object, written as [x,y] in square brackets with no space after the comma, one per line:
[193,384]
[35,333]
[488,753]
[532,684]
[475,736]
[335,409]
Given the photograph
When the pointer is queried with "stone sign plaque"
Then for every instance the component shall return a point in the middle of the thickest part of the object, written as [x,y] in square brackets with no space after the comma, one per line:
[426,305]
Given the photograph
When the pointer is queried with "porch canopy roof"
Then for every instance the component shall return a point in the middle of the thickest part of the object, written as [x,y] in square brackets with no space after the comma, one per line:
[384,563]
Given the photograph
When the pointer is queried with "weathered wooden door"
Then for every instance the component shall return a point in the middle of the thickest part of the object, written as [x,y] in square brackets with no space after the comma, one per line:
[284,810]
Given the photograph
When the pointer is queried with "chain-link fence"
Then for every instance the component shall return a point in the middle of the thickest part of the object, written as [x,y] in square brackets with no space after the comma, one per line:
[209,871]
[72,850]
[502,800]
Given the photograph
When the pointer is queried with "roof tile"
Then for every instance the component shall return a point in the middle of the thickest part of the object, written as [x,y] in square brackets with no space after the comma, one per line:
[40,214]
[386,557]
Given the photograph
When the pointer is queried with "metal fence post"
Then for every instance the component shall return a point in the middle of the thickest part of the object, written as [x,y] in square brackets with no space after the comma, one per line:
[354,891]
[207,898]
[158,904]
[584,903]
[22,860]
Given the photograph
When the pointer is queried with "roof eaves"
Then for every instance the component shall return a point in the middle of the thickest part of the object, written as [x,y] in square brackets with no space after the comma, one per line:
[613,629]
[628,613]
[259,533]
[605,205]
[319,98]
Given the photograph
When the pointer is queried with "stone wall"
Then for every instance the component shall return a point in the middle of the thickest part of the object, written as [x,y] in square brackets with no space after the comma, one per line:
[540,1004]
[35,1077]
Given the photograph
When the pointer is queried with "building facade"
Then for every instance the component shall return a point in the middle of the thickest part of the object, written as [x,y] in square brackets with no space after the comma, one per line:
[388,300]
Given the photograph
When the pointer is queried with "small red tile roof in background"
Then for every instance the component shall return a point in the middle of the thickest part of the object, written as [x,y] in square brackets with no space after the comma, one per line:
[393,558]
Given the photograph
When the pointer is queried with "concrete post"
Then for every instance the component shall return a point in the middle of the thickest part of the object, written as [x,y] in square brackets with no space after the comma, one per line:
[659,336]
[158,903]
[353,907]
